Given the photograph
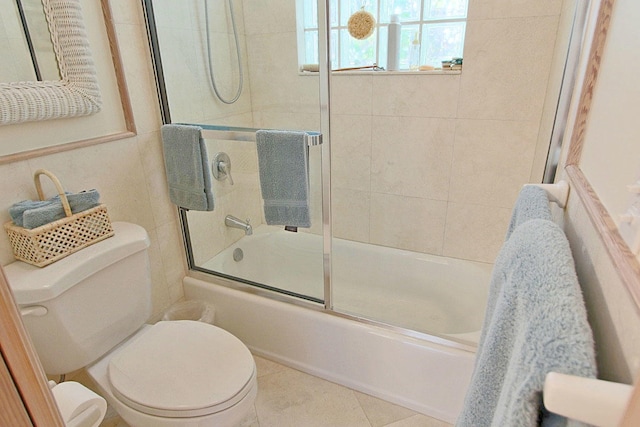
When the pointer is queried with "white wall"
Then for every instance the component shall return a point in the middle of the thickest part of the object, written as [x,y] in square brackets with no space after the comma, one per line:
[611,155]
[609,163]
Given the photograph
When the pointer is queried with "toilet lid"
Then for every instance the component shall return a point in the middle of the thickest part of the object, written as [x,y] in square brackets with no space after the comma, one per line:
[182,369]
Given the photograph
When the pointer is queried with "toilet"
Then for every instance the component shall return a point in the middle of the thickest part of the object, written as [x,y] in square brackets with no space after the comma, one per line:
[88,310]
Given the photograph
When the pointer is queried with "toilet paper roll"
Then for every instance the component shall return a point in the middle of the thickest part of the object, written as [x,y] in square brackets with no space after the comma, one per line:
[79,406]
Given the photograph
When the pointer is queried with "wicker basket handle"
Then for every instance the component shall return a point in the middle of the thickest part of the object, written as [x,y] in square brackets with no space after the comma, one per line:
[56,182]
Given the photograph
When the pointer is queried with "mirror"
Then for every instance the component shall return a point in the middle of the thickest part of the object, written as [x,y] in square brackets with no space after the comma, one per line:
[76,93]
[603,153]
[25,38]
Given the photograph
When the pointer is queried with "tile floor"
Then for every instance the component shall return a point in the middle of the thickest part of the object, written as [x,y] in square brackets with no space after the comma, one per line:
[290,398]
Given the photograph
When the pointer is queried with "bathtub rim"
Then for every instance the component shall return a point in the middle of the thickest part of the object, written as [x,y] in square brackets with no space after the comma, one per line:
[214,279]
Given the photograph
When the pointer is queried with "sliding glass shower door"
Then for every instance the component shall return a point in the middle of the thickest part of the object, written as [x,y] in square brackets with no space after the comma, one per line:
[231,67]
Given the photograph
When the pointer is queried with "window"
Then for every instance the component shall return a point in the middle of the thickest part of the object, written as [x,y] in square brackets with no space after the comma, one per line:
[438,24]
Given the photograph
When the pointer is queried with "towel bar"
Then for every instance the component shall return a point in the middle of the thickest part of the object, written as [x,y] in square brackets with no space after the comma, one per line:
[247,134]
[592,401]
[558,192]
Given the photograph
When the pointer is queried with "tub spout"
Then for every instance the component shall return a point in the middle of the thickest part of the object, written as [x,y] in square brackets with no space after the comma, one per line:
[233,222]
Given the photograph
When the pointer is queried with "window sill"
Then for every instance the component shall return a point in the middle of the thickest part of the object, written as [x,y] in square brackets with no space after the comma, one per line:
[384,73]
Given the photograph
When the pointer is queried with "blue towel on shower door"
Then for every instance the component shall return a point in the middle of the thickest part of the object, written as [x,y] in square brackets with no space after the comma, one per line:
[187,167]
[283,161]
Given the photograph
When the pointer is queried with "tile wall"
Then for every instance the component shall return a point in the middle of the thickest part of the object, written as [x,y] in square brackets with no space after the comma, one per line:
[431,163]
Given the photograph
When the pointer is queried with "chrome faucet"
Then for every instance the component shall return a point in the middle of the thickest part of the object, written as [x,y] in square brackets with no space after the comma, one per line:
[233,222]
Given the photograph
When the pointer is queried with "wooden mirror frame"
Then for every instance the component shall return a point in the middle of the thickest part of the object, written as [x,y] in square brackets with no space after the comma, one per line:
[624,260]
[76,93]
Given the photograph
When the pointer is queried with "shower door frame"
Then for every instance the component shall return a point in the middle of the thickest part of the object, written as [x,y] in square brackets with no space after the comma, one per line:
[324,105]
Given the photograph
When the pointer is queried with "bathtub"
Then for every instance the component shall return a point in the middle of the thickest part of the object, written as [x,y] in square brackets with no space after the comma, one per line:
[424,293]
[426,373]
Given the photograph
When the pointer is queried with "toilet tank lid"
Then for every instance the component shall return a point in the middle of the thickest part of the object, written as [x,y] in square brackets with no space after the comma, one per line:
[32,285]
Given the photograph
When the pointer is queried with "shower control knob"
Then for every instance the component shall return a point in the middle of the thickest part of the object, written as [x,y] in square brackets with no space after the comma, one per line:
[221,167]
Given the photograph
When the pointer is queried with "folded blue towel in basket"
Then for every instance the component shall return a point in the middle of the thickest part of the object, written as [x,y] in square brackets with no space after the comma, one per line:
[35,213]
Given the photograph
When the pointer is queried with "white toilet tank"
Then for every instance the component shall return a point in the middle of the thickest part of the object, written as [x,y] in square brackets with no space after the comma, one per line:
[80,307]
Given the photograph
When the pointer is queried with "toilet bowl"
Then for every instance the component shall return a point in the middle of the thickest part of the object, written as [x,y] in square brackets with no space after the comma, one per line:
[164,376]
[89,310]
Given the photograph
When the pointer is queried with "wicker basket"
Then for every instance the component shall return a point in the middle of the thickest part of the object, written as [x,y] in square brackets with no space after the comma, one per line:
[50,242]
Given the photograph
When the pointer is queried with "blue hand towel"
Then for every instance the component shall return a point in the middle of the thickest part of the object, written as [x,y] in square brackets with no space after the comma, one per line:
[283,160]
[187,167]
[532,203]
[32,214]
[17,210]
[535,323]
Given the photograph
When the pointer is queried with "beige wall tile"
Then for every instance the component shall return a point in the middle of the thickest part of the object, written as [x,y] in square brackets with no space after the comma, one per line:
[273,16]
[351,214]
[172,251]
[185,79]
[351,152]
[475,232]
[408,223]
[351,95]
[219,15]
[170,14]
[207,232]
[491,9]
[150,149]
[275,83]
[183,46]
[134,49]
[16,185]
[506,64]
[411,156]
[416,95]
[160,297]
[287,120]
[226,74]
[491,161]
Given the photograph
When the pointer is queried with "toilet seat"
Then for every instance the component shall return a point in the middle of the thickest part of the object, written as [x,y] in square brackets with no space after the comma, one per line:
[181,369]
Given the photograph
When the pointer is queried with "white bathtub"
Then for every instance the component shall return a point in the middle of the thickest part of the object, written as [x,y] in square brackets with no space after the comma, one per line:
[424,293]
[428,374]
